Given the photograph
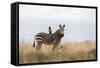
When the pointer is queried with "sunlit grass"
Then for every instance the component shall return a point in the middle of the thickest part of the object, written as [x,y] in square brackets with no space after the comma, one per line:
[68,51]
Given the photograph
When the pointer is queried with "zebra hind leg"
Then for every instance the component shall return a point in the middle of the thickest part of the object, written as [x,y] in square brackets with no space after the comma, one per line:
[38,47]
[33,45]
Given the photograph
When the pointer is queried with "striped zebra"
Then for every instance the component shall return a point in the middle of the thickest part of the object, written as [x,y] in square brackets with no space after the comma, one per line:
[49,39]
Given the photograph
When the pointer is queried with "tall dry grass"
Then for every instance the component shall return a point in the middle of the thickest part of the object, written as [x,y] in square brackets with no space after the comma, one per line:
[68,51]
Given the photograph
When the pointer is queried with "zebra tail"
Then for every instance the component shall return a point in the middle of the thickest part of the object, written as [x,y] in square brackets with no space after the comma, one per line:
[34,43]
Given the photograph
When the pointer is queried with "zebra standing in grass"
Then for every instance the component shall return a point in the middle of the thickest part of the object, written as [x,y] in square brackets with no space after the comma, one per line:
[49,39]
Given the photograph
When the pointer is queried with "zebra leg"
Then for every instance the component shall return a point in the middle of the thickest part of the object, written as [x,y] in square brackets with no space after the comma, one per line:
[38,47]
[54,47]
[33,45]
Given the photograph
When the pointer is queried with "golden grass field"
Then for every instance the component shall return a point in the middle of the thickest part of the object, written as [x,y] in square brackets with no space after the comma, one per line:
[68,51]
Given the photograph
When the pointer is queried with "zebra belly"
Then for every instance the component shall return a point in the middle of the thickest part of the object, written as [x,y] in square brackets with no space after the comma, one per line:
[48,43]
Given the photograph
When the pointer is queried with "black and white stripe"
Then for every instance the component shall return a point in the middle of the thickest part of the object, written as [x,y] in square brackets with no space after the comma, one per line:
[49,38]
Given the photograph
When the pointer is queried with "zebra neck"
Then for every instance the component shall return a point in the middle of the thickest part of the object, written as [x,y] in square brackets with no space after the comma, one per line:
[58,35]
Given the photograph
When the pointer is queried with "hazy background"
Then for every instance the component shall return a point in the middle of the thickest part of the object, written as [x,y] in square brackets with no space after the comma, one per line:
[80,22]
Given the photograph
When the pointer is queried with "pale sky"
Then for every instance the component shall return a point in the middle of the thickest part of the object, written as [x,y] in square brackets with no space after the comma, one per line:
[80,22]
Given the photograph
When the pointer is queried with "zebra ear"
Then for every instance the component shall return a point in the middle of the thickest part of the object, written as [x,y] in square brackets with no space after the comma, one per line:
[49,27]
[60,25]
[64,25]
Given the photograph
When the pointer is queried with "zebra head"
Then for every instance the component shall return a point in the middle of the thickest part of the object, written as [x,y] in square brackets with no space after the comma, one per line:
[50,30]
[61,29]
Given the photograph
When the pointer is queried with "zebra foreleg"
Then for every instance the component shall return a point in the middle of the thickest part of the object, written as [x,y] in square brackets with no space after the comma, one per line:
[54,47]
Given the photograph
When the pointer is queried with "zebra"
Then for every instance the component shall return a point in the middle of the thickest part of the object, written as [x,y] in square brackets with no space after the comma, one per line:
[49,39]
[50,30]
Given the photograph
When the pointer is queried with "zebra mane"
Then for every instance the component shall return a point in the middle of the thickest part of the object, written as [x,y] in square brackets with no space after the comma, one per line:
[57,31]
